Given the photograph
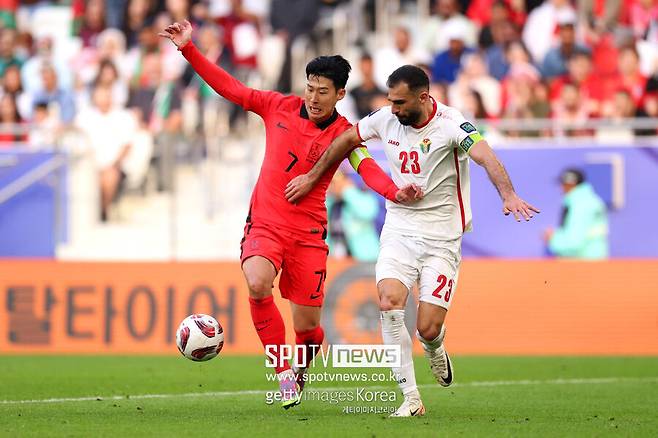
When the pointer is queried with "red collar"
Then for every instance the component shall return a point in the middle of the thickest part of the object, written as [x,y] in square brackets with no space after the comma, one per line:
[429,119]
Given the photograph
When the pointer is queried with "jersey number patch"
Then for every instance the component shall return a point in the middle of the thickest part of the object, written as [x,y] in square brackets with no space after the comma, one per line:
[443,281]
[410,158]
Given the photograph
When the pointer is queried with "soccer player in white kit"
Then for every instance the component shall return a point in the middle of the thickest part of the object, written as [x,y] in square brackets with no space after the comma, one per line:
[427,144]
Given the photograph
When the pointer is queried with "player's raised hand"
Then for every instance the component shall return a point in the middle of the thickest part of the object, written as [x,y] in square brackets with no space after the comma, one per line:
[178,33]
[297,188]
[409,194]
[518,207]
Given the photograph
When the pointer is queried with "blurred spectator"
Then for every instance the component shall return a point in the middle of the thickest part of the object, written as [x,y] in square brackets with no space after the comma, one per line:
[503,34]
[641,13]
[583,230]
[158,102]
[629,75]
[241,37]
[518,83]
[433,38]
[555,61]
[43,127]
[291,19]
[109,131]
[351,220]
[448,63]
[539,29]
[8,55]
[474,77]
[649,109]
[138,15]
[591,87]
[570,110]
[93,22]
[12,129]
[107,76]
[598,17]
[617,111]
[488,13]
[401,52]
[206,117]
[8,14]
[366,94]
[12,84]
[491,19]
[474,108]
[44,54]
[115,12]
[179,10]
[60,101]
[540,106]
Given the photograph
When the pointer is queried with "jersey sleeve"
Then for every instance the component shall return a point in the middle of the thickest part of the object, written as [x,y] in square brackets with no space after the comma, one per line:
[461,131]
[371,173]
[369,126]
[226,85]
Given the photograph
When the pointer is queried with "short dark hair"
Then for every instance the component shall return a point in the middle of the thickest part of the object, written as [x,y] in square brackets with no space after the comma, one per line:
[336,68]
[411,75]
[572,176]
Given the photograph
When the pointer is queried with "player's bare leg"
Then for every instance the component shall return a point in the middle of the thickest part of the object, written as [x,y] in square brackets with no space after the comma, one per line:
[306,320]
[431,333]
[260,274]
[392,299]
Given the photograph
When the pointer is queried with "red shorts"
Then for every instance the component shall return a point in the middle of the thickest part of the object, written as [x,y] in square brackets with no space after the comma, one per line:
[302,260]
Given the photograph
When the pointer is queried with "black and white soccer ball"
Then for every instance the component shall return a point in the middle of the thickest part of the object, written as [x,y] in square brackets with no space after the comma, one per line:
[199,337]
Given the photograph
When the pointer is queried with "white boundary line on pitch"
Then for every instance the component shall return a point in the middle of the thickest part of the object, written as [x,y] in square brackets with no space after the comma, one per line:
[492,383]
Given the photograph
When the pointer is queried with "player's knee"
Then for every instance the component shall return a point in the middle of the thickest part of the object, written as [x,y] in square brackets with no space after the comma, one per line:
[389,301]
[306,325]
[429,330]
[259,286]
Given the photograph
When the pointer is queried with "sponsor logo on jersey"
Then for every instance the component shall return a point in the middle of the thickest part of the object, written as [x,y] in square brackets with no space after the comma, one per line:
[425,145]
[466,143]
[393,142]
[467,127]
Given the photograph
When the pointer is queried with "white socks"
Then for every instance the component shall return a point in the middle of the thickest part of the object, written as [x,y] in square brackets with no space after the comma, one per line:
[394,332]
[434,343]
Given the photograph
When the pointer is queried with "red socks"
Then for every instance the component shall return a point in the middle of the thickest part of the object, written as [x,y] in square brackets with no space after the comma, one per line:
[269,326]
[312,339]
[271,331]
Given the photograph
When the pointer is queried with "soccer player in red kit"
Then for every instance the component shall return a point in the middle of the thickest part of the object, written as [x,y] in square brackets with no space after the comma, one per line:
[280,236]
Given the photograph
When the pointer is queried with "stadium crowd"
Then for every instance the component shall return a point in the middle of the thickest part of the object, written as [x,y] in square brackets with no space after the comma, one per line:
[106,75]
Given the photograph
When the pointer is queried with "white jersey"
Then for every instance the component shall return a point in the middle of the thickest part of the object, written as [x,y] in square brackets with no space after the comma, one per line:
[435,157]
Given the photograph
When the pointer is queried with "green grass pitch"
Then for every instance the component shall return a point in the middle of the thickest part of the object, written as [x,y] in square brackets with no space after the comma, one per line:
[171,396]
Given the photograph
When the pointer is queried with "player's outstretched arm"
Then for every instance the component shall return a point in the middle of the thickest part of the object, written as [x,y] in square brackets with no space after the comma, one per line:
[482,154]
[299,186]
[223,83]
[379,181]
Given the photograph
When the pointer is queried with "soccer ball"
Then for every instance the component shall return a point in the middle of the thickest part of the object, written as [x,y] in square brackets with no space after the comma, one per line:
[199,337]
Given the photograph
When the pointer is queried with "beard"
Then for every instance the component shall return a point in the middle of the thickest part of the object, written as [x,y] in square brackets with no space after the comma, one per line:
[412,118]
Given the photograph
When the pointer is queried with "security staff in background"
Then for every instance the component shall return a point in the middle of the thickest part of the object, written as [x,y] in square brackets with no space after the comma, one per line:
[583,230]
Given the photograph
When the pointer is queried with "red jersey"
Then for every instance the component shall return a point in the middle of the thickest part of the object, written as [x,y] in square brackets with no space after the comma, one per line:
[293,146]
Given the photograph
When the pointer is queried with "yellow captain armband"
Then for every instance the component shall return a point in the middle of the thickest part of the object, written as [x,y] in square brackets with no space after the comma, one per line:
[357,156]
[470,140]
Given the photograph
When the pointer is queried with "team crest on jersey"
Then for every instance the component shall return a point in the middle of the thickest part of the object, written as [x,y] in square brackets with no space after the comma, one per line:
[425,145]
[315,152]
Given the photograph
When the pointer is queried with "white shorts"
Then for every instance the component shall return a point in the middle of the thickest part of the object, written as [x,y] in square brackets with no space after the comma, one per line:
[434,264]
